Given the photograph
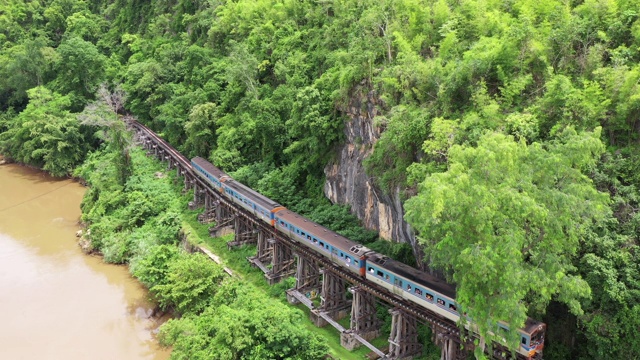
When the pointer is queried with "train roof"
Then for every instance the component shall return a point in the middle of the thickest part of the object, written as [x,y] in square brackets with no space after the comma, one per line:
[532,325]
[209,167]
[255,196]
[414,275]
[322,233]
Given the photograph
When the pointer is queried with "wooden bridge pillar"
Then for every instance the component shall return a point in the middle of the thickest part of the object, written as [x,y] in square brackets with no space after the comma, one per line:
[403,340]
[333,299]
[364,321]
[188,179]
[225,217]
[171,163]
[307,277]
[265,248]
[282,262]
[449,347]
[246,232]
[198,197]
[265,252]
[210,206]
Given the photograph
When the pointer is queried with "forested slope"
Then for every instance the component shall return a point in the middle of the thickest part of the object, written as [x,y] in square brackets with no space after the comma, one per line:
[514,126]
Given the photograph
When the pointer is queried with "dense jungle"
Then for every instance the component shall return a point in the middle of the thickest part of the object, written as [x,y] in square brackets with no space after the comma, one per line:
[511,128]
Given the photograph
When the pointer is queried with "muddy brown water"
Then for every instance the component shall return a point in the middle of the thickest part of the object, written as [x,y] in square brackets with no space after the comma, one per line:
[56,302]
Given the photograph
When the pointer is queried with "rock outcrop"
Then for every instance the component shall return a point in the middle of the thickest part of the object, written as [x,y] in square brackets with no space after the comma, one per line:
[348,183]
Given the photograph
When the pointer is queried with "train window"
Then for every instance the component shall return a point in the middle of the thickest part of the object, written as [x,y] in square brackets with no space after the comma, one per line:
[524,340]
[342,255]
[386,277]
[315,241]
[453,307]
[418,292]
[429,297]
[408,287]
[397,282]
[440,302]
[321,244]
[308,237]
[303,234]
[380,273]
[357,263]
[371,270]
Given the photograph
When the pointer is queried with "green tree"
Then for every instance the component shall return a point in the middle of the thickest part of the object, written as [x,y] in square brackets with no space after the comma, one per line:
[153,268]
[200,130]
[241,325]
[46,134]
[80,70]
[506,219]
[191,283]
[103,113]
[23,67]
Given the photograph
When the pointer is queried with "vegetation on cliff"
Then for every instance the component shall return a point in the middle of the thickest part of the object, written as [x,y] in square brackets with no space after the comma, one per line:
[515,124]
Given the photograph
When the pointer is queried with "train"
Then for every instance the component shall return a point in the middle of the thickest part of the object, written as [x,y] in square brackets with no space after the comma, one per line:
[405,281]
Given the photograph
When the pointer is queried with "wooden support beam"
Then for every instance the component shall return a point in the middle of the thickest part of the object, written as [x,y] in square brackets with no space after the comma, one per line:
[307,276]
[403,340]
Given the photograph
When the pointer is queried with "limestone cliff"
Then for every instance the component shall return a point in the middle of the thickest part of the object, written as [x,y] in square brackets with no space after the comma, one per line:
[348,183]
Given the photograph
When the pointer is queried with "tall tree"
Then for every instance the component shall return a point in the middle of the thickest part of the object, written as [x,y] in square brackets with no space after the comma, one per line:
[80,70]
[506,219]
[45,134]
[23,67]
[104,113]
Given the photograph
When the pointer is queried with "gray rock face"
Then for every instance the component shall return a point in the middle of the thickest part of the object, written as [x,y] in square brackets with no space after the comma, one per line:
[348,183]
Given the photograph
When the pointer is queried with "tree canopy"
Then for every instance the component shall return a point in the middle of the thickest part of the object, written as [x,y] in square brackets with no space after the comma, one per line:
[506,220]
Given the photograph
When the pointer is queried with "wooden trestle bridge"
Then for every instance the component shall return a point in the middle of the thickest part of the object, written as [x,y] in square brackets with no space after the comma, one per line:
[280,257]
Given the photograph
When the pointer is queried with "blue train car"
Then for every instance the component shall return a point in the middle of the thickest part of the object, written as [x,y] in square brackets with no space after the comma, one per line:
[254,202]
[439,297]
[330,244]
[208,172]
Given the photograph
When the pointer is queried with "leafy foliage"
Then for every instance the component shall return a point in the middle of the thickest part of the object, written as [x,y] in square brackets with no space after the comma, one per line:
[46,134]
[506,220]
[238,325]
[190,284]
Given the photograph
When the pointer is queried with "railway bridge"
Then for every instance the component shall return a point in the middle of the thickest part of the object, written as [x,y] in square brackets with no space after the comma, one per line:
[280,257]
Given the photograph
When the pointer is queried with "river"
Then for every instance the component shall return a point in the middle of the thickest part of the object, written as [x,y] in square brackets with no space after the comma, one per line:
[56,302]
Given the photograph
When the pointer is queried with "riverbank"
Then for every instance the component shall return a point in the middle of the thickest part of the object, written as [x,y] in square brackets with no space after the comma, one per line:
[57,302]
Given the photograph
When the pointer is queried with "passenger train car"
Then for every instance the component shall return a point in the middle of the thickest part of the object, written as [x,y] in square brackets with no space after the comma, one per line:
[249,199]
[330,244]
[404,281]
[439,297]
